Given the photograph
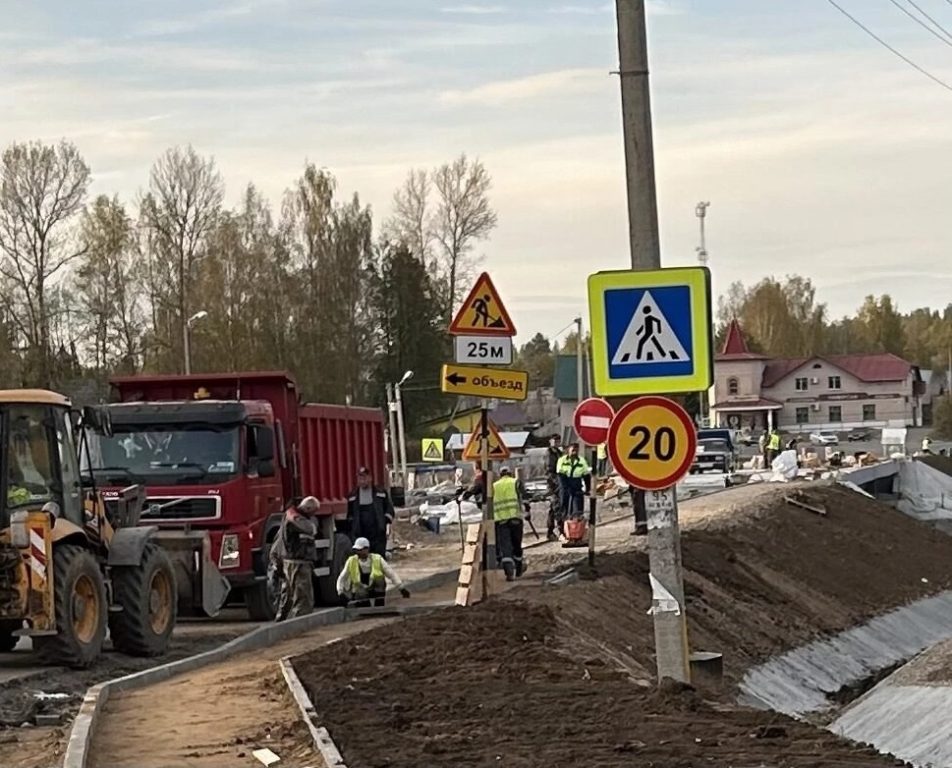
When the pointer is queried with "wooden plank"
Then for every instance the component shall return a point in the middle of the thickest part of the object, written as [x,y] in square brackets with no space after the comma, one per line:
[462,596]
[472,554]
[466,575]
[473,531]
[803,505]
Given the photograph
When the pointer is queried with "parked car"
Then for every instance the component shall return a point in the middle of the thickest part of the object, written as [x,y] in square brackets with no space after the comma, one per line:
[859,436]
[715,451]
[824,438]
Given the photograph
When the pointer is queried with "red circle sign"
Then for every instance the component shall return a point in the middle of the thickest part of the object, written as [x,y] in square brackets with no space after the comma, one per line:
[592,420]
[652,442]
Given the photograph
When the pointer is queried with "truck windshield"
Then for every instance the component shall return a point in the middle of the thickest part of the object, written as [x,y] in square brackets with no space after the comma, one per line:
[194,454]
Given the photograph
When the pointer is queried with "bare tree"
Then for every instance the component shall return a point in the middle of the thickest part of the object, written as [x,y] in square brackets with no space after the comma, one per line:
[463,216]
[109,296]
[180,210]
[41,188]
[411,222]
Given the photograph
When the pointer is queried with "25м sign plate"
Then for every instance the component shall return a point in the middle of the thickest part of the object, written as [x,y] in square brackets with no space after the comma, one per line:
[502,384]
[483,350]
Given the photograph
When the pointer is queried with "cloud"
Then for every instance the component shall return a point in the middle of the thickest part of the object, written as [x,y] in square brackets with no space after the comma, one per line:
[562,81]
[191,22]
[475,10]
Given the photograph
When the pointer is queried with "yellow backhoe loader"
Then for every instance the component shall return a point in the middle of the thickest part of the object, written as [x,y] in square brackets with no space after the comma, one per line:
[69,567]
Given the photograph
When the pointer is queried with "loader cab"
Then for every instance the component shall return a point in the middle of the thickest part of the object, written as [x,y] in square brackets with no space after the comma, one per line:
[38,456]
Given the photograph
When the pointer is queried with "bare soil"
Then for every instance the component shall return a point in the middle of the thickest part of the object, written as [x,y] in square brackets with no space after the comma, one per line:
[546,676]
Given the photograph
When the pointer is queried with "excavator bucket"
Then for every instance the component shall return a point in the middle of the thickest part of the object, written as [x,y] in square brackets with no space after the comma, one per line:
[201,586]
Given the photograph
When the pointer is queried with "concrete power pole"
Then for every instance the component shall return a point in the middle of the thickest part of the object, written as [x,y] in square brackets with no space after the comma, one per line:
[700,210]
[579,361]
[664,540]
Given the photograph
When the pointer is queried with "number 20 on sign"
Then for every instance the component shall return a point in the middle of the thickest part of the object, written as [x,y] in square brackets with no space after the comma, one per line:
[652,442]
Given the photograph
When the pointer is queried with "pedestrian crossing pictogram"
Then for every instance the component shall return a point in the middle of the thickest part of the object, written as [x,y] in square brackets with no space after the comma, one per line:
[432,448]
[483,313]
[649,337]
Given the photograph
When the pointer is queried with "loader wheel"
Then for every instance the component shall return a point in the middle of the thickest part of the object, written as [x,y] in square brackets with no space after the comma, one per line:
[149,602]
[80,609]
[8,641]
[327,585]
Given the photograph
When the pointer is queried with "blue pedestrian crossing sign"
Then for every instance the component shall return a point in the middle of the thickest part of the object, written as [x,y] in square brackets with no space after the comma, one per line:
[651,331]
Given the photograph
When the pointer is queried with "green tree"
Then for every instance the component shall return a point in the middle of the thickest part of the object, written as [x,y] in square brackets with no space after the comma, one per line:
[882,325]
[538,358]
[942,419]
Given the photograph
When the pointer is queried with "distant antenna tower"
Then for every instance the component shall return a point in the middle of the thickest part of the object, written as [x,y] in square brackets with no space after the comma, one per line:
[700,211]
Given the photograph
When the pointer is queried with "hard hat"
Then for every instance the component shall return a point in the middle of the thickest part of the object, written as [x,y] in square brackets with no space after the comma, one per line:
[309,504]
[361,543]
[505,470]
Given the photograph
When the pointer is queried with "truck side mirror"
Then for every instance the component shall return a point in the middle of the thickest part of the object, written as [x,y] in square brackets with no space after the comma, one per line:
[264,445]
[266,468]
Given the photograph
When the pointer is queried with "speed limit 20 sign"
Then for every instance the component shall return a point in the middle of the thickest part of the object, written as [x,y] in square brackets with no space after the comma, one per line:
[652,442]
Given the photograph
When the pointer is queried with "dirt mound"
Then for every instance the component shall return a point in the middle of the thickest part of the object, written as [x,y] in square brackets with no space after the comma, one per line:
[563,676]
[775,580]
[491,685]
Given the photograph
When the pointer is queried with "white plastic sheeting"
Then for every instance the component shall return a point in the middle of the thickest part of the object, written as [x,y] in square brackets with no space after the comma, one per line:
[924,493]
[449,513]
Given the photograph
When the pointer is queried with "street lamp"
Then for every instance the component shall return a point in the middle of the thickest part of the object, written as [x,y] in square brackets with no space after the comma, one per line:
[186,329]
[400,427]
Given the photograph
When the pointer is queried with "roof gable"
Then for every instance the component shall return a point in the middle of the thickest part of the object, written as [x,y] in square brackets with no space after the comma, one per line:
[869,368]
[735,345]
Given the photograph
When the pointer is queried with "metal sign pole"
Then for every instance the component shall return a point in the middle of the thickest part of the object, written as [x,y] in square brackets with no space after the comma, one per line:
[591,509]
[490,548]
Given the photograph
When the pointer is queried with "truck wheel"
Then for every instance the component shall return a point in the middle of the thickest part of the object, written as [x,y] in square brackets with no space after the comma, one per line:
[147,595]
[8,641]
[79,605]
[327,585]
[261,599]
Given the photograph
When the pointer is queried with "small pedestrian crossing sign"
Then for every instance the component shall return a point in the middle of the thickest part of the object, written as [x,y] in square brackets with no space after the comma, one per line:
[432,449]
[651,331]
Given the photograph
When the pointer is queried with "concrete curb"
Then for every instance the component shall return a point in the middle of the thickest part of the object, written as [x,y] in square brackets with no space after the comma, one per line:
[84,726]
[320,736]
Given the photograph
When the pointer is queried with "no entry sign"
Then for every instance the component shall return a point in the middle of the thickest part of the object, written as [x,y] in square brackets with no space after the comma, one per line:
[592,420]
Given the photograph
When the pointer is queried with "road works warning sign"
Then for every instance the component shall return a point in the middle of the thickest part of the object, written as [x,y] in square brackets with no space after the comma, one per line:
[432,448]
[483,313]
[474,446]
[651,331]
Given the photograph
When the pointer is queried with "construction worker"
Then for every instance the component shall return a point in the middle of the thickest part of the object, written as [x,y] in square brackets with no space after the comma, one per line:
[299,553]
[573,473]
[762,446]
[602,455]
[476,491]
[370,512]
[507,503]
[553,454]
[363,579]
[773,446]
[926,444]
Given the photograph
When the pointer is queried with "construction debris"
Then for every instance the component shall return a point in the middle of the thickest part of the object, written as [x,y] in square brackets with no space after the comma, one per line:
[265,756]
[797,499]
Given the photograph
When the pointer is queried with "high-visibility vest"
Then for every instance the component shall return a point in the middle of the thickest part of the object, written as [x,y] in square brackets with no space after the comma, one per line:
[573,467]
[602,451]
[774,444]
[505,499]
[376,569]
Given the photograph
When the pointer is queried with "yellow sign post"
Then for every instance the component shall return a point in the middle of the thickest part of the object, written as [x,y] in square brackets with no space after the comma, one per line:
[498,383]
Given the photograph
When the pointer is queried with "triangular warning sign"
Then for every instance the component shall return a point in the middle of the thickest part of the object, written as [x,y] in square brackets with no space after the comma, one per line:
[474,446]
[483,313]
[649,337]
[432,450]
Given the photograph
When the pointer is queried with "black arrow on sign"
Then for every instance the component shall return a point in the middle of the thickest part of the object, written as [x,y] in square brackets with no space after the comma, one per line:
[455,378]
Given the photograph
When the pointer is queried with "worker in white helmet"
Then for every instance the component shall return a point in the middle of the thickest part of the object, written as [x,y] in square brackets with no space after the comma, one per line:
[363,579]
[298,547]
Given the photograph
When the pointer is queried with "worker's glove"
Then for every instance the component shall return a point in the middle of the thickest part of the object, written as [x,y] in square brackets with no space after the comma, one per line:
[404,592]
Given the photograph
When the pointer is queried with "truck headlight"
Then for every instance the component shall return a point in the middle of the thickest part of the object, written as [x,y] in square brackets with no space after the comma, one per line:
[230,554]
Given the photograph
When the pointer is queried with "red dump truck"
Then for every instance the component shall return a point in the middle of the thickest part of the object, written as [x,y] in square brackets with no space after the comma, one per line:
[221,456]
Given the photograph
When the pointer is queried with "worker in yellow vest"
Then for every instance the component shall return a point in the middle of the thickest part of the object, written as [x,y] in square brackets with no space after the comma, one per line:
[773,446]
[363,579]
[601,453]
[507,504]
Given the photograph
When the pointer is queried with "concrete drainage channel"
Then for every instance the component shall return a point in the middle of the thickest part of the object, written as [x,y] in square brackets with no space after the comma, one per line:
[911,722]
[84,726]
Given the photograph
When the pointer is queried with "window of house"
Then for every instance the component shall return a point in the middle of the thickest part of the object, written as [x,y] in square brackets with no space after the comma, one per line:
[834,382]
[803,415]
[732,386]
[817,366]
[836,413]
[802,384]
[869,413]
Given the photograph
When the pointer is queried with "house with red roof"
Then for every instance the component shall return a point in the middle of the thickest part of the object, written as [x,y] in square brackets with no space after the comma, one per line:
[836,392]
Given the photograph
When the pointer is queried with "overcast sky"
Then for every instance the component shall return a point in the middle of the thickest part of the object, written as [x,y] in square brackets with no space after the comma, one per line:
[820,152]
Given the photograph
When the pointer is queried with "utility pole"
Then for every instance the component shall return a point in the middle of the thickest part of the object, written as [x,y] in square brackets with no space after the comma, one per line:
[664,539]
[704,401]
[392,423]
